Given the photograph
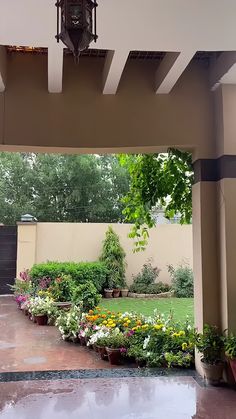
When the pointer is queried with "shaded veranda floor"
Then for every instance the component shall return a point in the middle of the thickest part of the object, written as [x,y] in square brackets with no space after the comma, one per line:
[42,376]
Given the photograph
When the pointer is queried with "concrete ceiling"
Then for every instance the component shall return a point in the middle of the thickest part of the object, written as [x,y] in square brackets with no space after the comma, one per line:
[178,27]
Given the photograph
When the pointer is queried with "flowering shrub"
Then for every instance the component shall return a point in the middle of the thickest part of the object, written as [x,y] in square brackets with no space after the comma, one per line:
[40,306]
[67,323]
[154,340]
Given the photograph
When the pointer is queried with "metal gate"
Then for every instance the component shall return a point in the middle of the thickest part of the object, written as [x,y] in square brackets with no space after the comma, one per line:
[8,250]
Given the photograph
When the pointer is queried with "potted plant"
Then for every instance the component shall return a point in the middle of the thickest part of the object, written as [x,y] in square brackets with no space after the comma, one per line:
[114,343]
[210,344]
[101,346]
[230,351]
[124,290]
[39,308]
[113,256]
[137,352]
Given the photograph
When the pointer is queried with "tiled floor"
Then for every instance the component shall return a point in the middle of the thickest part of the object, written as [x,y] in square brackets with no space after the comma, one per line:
[24,346]
[122,398]
[35,382]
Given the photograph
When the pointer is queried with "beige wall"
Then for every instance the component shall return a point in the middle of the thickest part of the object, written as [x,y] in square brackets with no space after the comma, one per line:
[168,244]
[82,118]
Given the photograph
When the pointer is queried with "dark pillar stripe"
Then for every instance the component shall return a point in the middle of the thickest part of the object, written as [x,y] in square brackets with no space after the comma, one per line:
[213,170]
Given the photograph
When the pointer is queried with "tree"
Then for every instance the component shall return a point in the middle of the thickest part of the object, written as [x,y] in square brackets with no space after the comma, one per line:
[113,256]
[157,179]
[55,187]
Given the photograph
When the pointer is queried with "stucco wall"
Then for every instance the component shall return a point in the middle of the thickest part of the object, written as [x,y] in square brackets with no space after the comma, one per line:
[168,244]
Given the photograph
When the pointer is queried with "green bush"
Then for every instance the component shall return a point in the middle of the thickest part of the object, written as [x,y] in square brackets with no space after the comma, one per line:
[113,256]
[144,282]
[86,296]
[79,272]
[62,288]
[182,281]
[157,288]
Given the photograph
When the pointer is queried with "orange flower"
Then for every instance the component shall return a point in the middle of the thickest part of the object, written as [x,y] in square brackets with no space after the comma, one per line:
[103,316]
[90,311]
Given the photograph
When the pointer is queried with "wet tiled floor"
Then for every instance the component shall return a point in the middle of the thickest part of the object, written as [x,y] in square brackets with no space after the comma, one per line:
[43,377]
[24,346]
[117,398]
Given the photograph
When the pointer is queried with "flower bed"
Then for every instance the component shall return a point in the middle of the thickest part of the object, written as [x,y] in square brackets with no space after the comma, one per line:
[152,341]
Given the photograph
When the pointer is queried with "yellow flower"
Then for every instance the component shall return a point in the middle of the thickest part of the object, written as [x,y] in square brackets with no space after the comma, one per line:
[126,318]
[134,328]
[144,326]
[90,311]
[104,322]
[182,333]
[113,325]
[128,321]
[158,326]
[184,346]
[125,325]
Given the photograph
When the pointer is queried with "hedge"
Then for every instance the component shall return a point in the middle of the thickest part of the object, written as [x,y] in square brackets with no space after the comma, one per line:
[80,272]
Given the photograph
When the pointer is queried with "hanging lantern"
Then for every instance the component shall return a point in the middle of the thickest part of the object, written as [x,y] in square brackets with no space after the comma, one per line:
[78,24]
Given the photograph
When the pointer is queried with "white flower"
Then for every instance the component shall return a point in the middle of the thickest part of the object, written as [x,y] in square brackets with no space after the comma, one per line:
[146,342]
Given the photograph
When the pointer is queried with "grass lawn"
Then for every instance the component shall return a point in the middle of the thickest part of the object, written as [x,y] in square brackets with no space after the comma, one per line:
[181,307]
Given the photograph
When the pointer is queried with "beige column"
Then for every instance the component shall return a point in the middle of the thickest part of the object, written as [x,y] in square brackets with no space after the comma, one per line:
[226,193]
[205,266]
[26,246]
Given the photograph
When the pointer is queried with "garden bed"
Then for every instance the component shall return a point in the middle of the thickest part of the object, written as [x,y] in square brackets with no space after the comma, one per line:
[168,294]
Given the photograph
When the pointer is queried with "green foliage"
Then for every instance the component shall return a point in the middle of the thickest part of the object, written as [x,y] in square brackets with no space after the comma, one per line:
[230,346]
[79,272]
[115,340]
[157,180]
[86,295]
[182,281]
[62,288]
[113,256]
[21,287]
[67,323]
[179,359]
[144,282]
[210,343]
[54,187]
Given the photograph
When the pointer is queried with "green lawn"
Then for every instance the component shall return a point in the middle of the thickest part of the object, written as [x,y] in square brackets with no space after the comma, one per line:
[181,307]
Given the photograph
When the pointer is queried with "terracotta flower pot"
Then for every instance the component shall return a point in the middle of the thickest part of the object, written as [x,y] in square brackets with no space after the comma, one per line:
[108,293]
[233,367]
[213,373]
[82,341]
[42,320]
[116,293]
[114,356]
[124,292]
[103,353]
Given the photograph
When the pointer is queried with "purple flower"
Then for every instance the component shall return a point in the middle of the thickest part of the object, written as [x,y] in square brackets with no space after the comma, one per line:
[123,350]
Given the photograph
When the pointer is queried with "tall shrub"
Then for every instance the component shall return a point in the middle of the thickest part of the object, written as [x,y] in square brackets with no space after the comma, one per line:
[182,281]
[113,256]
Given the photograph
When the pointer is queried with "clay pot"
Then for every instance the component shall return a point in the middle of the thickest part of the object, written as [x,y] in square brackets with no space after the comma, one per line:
[116,293]
[114,356]
[213,373]
[140,363]
[124,292]
[233,367]
[42,320]
[108,293]
[103,353]
[82,341]
[63,305]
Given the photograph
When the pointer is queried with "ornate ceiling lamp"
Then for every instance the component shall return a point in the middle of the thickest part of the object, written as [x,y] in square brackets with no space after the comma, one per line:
[78,24]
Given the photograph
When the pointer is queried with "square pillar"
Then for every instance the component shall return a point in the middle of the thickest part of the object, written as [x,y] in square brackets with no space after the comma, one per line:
[26,246]
[205,261]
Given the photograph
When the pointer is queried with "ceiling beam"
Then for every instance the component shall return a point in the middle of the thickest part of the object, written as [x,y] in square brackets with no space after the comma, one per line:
[3,68]
[223,70]
[113,69]
[55,68]
[170,70]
